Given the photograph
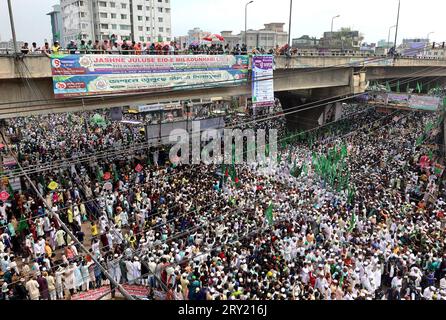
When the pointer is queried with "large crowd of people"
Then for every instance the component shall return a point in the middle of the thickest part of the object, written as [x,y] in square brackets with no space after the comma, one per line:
[146,48]
[241,232]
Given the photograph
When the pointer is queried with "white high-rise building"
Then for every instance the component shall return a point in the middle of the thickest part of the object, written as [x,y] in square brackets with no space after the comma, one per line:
[138,20]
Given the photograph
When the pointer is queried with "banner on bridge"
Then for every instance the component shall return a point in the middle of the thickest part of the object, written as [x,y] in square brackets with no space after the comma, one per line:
[95,74]
[428,103]
[262,80]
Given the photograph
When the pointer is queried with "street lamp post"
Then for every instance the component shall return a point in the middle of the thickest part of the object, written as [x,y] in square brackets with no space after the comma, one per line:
[388,38]
[289,32]
[11,20]
[428,35]
[246,23]
[332,22]
[397,24]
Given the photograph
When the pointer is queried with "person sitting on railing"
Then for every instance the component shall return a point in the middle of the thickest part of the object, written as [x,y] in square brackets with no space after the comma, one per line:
[105,47]
[25,48]
[72,47]
[132,48]
[144,48]
[83,47]
[46,48]
[125,48]
[138,49]
[89,46]
[152,48]
[244,49]
[96,47]
[115,48]
[56,48]
[172,48]
[34,49]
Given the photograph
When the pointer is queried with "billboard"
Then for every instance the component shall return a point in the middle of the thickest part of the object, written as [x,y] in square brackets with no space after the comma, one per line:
[95,74]
[427,103]
[262,80]
[398,98]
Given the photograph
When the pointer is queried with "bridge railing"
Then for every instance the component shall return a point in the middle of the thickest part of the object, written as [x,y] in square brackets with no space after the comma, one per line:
[42,52]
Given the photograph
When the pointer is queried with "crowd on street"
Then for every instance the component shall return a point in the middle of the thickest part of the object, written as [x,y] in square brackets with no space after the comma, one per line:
[353,210]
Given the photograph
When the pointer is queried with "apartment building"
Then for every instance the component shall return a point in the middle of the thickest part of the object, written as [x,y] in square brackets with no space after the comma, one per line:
[138,20]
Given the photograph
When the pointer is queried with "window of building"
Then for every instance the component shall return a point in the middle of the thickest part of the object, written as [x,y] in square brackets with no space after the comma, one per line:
[123,16]
[124,5]
[114,26]
[160,9]
[161,29]
[102,4]
[103,14]
[104,26]
[139,7]
[112,4]
[139,18]
[113,15]
[160,19]
[124,27]
[139,28]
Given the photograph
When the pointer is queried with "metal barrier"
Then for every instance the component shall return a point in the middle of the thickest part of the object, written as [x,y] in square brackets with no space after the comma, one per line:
[40,52]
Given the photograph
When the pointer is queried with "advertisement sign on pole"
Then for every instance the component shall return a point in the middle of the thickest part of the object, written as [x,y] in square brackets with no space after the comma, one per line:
[262,80]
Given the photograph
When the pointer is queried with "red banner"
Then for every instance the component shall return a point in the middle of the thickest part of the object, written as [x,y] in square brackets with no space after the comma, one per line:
[95,294]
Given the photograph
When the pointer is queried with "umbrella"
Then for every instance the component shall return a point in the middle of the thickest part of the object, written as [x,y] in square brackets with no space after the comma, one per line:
[2,145]
[107,176]
[53,185]
[4,196]
[138,168]
[214,38]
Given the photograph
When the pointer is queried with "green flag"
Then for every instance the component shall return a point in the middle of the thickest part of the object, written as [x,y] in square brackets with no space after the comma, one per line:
[305,169]
[23,224]
[99,174]
[269,213]
[420,141]
[351,195]
[10,191]
[353,221]
[344,151]
[419,87]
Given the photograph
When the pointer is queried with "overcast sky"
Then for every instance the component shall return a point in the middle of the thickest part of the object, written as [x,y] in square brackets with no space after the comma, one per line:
[372,17]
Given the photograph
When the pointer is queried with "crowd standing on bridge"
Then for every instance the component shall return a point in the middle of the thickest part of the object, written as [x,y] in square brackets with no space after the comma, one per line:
[146,48]
[244,232]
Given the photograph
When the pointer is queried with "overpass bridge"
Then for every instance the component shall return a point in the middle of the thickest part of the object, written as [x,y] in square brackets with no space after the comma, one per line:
[26,82]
